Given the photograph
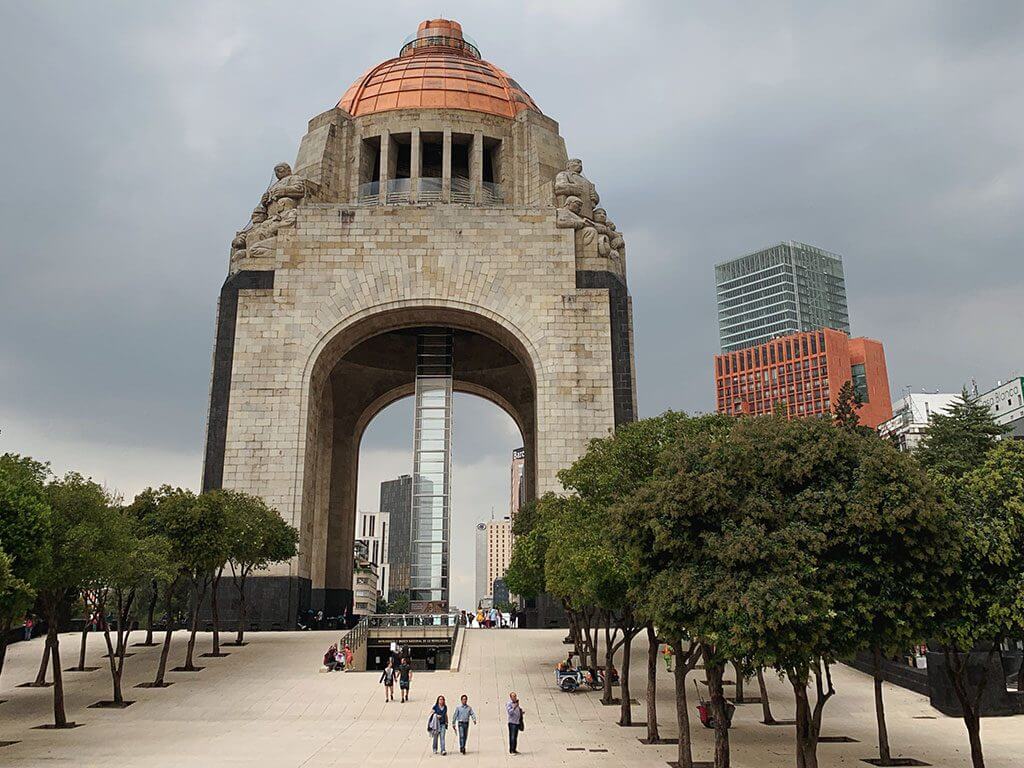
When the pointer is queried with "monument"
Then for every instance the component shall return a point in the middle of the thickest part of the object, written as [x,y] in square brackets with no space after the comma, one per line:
[433,211]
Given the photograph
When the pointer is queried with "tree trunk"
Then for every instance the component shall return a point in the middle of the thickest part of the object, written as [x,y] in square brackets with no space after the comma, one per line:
[884,753]
[715,673]
[197,599]
[766,707]
[158,682]
[956,669]
[652,685]
[81,652]
[973,723]
[625,708]
[213,610]
[150,611]
[60,718]
[806,745]
[739,681]
[3,647]
[609,659]
[40,680]
[112,657]
[685,751]
[241,610]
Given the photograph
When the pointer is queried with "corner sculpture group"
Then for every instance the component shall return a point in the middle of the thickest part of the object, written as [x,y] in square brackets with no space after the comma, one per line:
[576,199]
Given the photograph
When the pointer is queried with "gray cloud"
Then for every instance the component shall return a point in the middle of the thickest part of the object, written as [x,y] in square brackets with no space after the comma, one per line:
[137,137]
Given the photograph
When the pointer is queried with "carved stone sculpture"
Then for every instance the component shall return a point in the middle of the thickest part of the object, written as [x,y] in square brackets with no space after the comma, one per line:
[238,244]
[568,217]
[606,227]
[285,193]
[276,211]
[572,183]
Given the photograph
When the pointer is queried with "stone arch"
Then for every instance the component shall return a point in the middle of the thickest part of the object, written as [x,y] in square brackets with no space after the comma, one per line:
[357,369]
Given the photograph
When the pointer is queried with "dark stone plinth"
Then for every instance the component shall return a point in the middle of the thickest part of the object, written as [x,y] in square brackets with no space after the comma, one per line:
[996,700]
[111,705]
[35,685]
[52,727]
[154,685]
[82,669]
[188,669]
[896,761]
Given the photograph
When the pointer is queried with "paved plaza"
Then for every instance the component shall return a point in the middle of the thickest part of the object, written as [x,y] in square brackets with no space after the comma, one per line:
[266,704]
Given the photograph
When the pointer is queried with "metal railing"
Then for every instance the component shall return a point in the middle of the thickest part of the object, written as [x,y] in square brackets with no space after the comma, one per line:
[491,193]
[369,193]
[412,620]
[430,189]
[356,636]
[399,191]
[462,190]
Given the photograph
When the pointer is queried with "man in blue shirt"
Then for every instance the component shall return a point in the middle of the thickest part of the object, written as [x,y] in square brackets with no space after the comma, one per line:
[460,721]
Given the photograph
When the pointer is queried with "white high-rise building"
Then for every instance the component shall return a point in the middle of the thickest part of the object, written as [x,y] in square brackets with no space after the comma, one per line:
[911,415]
[1006,401]
[481,589]
[499,550]
[373,532]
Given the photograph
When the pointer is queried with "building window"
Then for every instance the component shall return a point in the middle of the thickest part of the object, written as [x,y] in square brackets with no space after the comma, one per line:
[860,382]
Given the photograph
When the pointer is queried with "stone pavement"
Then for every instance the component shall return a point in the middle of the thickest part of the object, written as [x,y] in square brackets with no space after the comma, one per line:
[266,705]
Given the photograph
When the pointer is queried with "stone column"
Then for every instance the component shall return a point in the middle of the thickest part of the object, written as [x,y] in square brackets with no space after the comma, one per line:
[446,167]
[476,167]
[415,166]
[385,165]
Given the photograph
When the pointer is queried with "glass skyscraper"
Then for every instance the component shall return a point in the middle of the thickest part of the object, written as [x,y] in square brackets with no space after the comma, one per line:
[787,288]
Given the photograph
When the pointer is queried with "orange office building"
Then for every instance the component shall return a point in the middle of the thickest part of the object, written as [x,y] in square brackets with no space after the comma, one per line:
[803,373]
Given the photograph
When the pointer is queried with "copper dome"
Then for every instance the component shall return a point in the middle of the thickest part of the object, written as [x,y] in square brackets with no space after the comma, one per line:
[437,68]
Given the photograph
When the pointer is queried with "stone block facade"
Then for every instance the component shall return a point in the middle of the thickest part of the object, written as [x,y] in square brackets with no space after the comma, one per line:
[341,267]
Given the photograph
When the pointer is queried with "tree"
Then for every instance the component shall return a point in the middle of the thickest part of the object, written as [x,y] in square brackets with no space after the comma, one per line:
[196,528]
[661,544]
[609,471]
[132,559]
[24,519]
[72,548]
[902,550]
[257,538]
[987,596]
[847,407]
[171,513]
[145,509]
[958,441]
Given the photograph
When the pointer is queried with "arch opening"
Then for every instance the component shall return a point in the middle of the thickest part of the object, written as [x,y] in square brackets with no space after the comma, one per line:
[362,370]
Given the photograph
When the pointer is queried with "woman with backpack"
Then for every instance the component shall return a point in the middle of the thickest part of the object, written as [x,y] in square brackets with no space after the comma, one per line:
[437,725]
[387,677]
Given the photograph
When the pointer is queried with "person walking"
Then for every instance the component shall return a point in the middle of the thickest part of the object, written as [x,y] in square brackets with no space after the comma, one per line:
[29,624]
[515,722]
[404,678]
[667,653]
[460,721]
[387,677]
[437,725]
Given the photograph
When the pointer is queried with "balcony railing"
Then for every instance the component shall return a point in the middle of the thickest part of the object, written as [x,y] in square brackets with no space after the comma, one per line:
[492,193]
[462,190]
[430,189]
[399,191]
[369,193]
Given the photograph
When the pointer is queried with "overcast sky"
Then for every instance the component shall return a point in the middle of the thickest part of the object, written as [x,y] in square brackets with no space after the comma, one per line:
[137,136]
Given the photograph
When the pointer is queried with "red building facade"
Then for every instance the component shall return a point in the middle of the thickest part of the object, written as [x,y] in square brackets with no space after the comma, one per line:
[803,373]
